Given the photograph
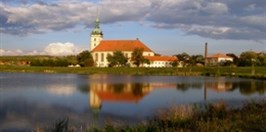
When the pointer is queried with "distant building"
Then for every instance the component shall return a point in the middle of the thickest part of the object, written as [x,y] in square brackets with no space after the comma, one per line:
[160,61]
[218,58]
[101,48]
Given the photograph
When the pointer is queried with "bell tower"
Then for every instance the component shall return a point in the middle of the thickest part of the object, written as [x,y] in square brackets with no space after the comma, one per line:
[96,35]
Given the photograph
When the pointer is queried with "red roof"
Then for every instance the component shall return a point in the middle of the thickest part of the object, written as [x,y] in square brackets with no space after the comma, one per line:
[121,45]
[219,55]
[161,58]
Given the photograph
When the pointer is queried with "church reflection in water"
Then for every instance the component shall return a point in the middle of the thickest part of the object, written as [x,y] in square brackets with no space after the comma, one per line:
[129,92]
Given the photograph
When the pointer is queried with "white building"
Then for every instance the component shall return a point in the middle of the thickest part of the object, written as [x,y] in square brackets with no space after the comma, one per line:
[218,58]
[160,61]
[100,49]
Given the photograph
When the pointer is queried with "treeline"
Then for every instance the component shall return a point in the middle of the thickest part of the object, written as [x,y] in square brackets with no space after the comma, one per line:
[247,58]
[38,60]
[50,62]
[250,58]
[84,59]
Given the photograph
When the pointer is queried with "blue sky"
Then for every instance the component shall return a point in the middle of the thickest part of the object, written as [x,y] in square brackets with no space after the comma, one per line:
[62,27]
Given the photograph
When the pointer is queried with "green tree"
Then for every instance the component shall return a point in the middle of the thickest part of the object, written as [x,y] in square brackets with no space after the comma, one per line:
[196,59]
[184,58]
[235,58]
[174,63]
[248,58]
[85,59]
[117,59]
[261,59]
[137,57]
[72,59]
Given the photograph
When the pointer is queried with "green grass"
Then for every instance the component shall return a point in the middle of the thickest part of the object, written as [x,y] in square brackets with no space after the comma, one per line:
[189,118]
[188,71]
[213,117]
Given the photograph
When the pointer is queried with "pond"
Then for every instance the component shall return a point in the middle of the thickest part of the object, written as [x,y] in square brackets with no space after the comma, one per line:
[32,100]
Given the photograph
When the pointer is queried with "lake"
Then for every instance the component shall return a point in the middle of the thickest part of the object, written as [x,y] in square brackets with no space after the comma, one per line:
[32,100]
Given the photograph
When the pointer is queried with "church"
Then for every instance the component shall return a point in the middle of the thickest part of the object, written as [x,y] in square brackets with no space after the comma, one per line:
[100,49]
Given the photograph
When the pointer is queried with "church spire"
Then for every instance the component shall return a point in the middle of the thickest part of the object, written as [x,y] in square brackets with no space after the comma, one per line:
[97,23]
[96,33]
[97,30]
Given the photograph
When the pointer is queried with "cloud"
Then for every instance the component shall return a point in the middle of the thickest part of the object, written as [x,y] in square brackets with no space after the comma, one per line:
[59,49]
[54,49]
[11,52]
[204,18]
[216,8]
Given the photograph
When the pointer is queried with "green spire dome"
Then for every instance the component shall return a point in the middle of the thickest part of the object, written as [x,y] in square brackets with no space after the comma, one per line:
[97,30]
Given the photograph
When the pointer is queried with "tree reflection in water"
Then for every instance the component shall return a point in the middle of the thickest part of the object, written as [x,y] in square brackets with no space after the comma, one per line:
[252,87]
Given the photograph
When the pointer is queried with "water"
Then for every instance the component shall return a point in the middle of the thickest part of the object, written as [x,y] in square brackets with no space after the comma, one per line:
[32,100]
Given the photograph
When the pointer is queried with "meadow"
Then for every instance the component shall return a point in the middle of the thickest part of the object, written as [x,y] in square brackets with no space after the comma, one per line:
[250,117]
[259,72]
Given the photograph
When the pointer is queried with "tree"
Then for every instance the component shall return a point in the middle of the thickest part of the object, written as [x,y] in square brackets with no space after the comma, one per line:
[72,59]
[261,59]
[117,59]
[226,63]
[248,58]
[174,63]
[235,58]
[196,59]
[184,58]
[85,59]
[137,57]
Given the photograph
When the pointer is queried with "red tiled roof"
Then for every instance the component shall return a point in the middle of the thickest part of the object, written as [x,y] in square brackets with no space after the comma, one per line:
[161,58]
[219,55]
[122,45]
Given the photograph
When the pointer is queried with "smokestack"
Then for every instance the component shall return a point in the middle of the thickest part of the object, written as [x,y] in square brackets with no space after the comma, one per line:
[206,54]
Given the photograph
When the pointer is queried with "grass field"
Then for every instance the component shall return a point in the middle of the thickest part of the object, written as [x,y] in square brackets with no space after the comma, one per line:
[260,72]
[189,118]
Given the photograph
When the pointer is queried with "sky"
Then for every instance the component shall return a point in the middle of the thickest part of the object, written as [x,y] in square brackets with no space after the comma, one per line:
[168,27]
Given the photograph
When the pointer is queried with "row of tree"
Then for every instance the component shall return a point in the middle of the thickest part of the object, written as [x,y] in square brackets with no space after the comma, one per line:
[247,58]
[118,59]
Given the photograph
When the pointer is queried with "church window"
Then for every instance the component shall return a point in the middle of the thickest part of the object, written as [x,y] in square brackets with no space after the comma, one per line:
[94,39]
[102,57]
[96,57]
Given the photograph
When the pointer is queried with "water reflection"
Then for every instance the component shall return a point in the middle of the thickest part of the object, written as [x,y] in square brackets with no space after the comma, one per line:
[128,92]
[61,90]
[31,100]
[134,92]
[251,87]
[246,87]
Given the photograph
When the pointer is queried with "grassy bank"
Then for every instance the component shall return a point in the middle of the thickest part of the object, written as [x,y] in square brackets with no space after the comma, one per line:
[260,72]
[214,117]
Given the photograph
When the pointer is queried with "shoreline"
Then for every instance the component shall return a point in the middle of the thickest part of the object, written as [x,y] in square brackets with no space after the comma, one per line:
[241,72]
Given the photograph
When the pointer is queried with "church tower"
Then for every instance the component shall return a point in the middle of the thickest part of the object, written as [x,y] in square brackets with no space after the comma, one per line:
[96,35]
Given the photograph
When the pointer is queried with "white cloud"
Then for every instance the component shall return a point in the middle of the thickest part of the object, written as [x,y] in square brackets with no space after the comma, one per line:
[54,49]
[61,49]
[238,15]
[11,52]
[216,8]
